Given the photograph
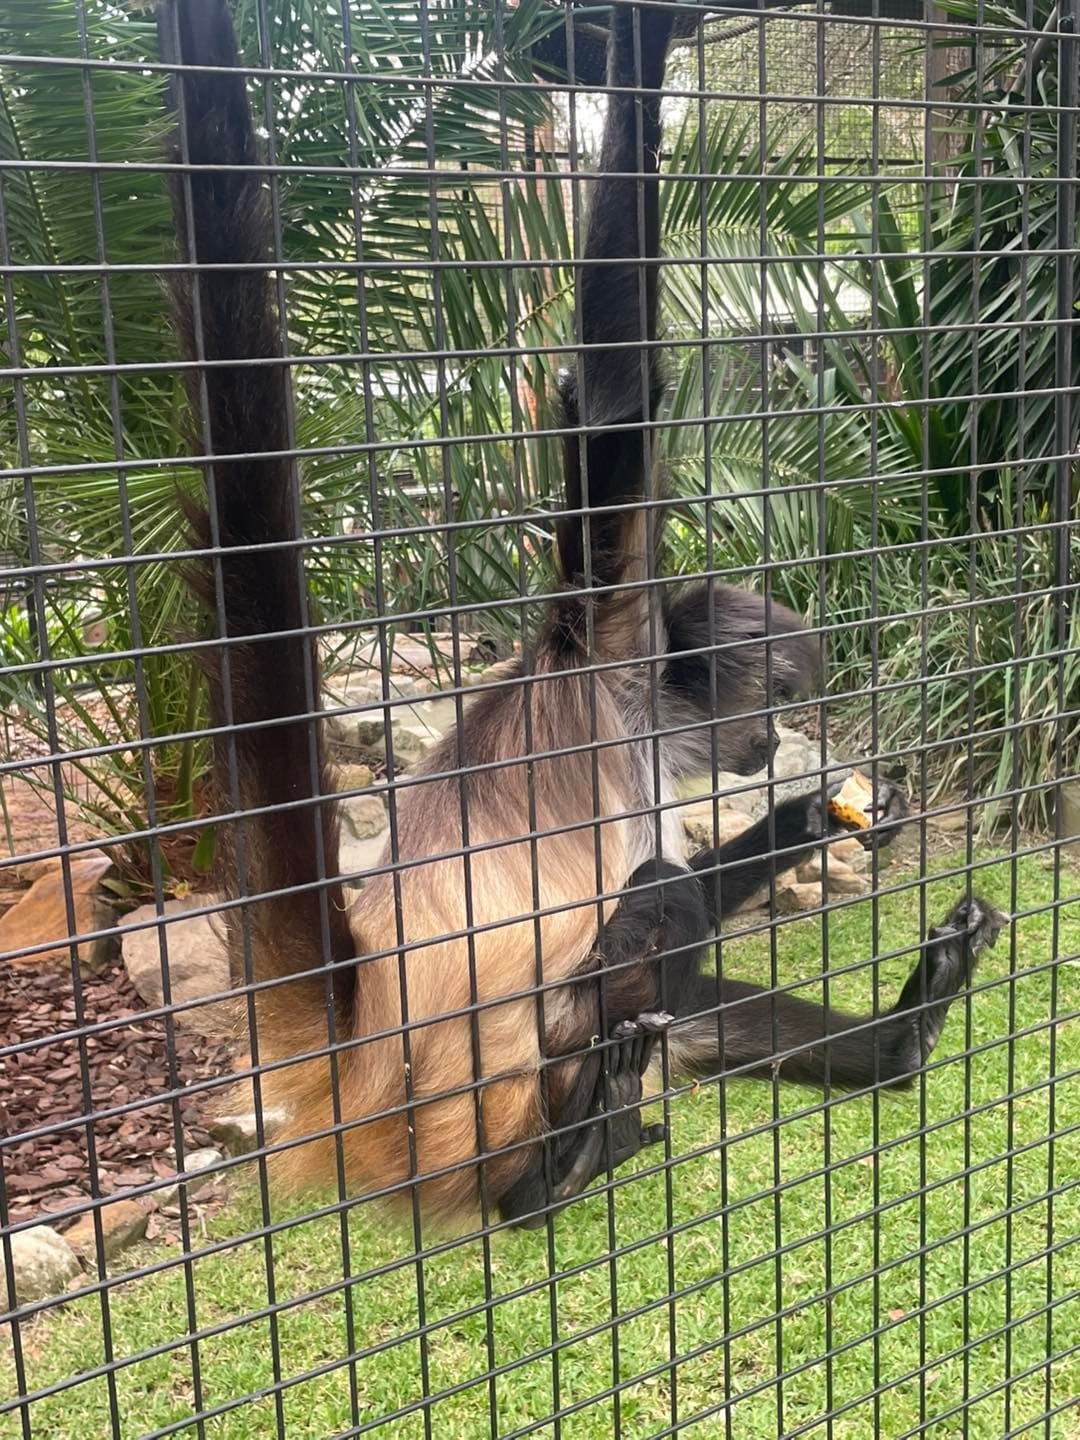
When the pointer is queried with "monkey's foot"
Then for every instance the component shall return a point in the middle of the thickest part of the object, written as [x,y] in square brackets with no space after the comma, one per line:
[946,968]
[615,1108]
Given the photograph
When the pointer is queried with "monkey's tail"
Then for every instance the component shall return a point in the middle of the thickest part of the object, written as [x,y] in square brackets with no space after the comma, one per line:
[268,763]
[605,540]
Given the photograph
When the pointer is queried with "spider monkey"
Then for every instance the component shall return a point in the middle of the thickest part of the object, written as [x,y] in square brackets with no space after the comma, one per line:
[431,979]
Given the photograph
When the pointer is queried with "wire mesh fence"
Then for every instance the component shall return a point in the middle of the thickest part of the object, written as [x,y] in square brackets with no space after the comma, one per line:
[541,684]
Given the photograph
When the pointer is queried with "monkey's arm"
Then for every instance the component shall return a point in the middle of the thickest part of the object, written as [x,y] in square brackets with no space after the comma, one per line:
[800,825]
[645,962]
[732,1025]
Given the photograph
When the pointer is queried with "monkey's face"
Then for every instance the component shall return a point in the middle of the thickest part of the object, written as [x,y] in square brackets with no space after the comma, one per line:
[748,746]
[745,739]
[756,667]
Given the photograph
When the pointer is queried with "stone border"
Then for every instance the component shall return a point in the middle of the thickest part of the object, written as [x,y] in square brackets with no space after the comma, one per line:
[48,1262]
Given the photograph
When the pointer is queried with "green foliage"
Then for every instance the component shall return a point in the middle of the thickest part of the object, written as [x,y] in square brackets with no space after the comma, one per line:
[986,674]
[797,452]
[920,445]
[21,645]
[74,424]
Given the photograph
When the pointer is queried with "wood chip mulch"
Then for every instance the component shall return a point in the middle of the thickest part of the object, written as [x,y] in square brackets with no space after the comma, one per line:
[44,1084]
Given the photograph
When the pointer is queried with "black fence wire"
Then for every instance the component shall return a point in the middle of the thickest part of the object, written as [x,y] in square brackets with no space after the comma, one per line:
[674,1029]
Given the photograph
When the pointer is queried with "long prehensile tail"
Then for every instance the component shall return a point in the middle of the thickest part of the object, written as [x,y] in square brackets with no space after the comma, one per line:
[608,466]
[264,683]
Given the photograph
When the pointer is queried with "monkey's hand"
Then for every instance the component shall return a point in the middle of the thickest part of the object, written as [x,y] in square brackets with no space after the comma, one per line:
[616,1134]
[889,811]
[618,1097]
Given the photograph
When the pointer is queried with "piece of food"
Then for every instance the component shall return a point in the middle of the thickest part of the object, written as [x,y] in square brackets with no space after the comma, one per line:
[853,804]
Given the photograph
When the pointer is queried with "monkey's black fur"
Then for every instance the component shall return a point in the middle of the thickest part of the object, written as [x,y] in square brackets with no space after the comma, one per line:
[721,1024]
[645,974]
[261,685]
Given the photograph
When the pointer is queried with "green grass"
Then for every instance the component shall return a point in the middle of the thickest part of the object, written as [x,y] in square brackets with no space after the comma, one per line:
[922,1324]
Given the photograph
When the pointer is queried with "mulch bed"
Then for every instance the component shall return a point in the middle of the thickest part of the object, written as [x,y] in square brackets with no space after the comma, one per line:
[44,1085]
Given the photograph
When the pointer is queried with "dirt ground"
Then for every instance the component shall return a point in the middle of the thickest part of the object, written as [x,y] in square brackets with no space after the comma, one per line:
[118,1071]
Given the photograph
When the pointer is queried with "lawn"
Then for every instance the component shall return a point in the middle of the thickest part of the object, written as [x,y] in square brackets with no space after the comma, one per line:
[930,1270]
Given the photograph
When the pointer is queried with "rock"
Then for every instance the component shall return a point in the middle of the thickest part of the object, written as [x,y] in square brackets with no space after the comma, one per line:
[435,717]
[795,755]
[798,896]
[197,1174]
[340,728]
[856,855]
[367,735]
[416,654]
[411,744]
[363,688]
[363,683]
[726,780]
[848,862]
[414,685]
[122,1224]
[27,871]
[844,881]
[844,856]
[8,898]
[40,916]
[356,856]
[370,731]
[197,959]
[698,823]
[43,1262]
[197,1161]
[354,777]
[809,872]
[953,822]
[238,1134]
[363,816]
[362,731]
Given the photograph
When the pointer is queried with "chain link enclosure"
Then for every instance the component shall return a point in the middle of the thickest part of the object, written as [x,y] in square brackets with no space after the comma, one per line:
[869,292]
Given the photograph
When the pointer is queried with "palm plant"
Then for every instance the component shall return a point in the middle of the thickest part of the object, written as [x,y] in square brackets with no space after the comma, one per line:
[771,448]
[993,643]
[767,454]
[102,444]
[979,318]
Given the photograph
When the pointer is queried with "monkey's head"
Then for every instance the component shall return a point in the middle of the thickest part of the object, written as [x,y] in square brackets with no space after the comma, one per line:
[759,661]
